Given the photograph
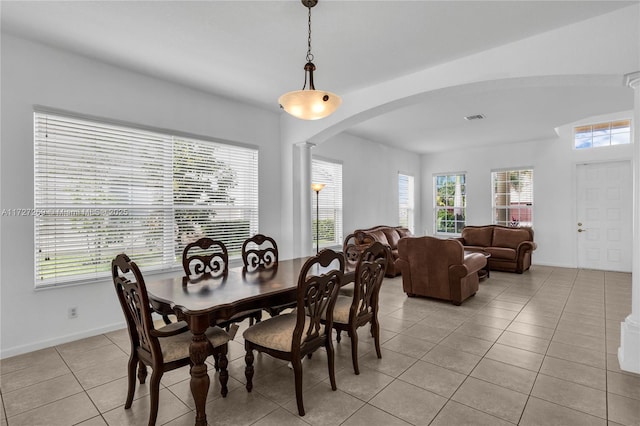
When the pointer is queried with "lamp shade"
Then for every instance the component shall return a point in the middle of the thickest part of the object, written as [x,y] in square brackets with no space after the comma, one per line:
[310,104]
[317,186]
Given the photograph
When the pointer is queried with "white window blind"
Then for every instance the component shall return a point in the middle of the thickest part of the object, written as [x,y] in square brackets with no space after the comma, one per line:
[513,197]
[103,189]
[406,201]
[330,202]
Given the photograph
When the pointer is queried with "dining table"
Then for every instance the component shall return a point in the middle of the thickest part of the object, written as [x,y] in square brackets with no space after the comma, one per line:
[205,301]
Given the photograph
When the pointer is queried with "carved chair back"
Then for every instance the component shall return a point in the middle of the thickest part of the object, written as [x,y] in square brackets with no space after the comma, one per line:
[205,256]
[259,252]
[370,271]
[134,301]
[318,284]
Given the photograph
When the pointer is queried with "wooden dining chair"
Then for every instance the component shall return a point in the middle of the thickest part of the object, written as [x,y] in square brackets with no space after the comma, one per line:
[205,256]
[259,252]
[360,309]
[259,255]
[293,335]
[162,349]
[210,257]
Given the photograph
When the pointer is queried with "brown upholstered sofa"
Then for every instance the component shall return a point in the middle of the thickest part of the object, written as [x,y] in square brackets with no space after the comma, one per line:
[361,238]
[438,268]
[510,248]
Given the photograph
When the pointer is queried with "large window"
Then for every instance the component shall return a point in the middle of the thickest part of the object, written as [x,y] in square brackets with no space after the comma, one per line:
[513,197]
[450,203]
[406,201]
[602,134]
[329,222]
[102,189]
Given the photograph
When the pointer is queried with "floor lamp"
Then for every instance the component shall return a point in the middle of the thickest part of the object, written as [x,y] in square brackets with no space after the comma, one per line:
[317,187]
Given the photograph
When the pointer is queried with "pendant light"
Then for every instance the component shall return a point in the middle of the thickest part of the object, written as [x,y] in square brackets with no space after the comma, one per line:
[309,104]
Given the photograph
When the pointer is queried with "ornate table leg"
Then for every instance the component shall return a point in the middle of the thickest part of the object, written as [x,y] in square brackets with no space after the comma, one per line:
[198,351]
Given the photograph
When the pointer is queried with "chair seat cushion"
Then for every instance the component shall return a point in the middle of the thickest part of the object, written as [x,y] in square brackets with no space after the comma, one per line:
[177,347]
[275,333]
[346,290]
[341,309]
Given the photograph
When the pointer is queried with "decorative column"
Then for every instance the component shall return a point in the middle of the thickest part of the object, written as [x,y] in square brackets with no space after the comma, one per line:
[303,241]
[629,350]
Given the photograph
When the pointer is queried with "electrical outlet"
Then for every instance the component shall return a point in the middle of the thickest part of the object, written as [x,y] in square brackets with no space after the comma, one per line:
[73,312]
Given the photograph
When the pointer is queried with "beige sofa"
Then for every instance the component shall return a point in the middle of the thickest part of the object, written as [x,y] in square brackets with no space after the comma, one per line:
[361,238]
[510,248]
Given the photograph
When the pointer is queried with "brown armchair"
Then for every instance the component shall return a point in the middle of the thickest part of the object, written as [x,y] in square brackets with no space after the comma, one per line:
[438,268]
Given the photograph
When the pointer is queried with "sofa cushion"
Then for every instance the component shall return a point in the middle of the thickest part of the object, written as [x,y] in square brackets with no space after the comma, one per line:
[509,237]
[468,248]
[379,235]
[403,232]
[501,253]
[392,237]
[477,236]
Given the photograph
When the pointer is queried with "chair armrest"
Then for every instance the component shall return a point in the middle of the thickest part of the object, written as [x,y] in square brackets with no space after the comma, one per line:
[170,329]
[474,262]
[527,246]
[351,253]
[347,242]
[403,266]
[459,239]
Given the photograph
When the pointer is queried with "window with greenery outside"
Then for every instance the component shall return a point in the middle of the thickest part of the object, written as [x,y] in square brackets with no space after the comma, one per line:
[103,189]
[450,203]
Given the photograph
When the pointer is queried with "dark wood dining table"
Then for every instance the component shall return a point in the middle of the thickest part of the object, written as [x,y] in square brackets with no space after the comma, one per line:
[204,302]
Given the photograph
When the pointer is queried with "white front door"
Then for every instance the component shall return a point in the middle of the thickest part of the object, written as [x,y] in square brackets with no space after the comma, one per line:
[603,225]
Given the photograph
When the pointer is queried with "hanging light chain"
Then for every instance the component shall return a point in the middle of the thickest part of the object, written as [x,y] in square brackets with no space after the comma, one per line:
[309,54]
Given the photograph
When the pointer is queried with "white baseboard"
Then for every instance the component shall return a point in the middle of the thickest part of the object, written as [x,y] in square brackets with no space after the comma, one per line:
[553,265]
[19,350]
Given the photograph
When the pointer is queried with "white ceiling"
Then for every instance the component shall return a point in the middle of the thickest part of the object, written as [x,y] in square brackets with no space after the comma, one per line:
[254,51]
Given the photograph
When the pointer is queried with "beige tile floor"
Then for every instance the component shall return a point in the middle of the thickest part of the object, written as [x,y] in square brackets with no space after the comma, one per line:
[532,349]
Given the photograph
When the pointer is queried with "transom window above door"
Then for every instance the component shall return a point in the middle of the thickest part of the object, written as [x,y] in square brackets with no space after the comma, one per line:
[602,134]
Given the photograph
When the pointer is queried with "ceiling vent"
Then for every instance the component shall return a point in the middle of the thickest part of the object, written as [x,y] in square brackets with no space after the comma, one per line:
[474,117]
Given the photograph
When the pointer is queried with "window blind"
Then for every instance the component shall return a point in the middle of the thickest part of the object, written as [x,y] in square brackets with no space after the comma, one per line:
[513,197]
[406,201]
[330,202]
[103,189]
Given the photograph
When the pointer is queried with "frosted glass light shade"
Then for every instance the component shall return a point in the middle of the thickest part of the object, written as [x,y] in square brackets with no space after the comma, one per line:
[317,186]
[310,104]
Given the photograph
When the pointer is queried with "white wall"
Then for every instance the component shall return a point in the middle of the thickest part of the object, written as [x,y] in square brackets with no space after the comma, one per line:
[370,180]
[33,74]
[554,164]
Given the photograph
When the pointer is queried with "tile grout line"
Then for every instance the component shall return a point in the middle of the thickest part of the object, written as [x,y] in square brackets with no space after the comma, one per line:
[82,387]
[563,406]
[550,340]
[449,399]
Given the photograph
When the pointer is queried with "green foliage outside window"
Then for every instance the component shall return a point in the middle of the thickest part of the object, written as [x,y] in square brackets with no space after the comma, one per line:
[326,231]
[450,203]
